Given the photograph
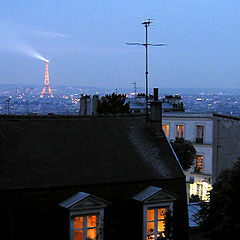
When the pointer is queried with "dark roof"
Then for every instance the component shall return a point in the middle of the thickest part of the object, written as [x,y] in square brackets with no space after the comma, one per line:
[68,151]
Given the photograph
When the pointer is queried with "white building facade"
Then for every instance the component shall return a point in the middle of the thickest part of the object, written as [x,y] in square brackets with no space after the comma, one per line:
[198,128]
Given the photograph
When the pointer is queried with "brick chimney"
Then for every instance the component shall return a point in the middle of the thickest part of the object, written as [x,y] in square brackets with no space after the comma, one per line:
[156,115]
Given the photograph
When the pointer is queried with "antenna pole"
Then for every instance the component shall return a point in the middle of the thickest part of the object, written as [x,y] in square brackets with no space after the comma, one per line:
[146,44]
[146,72]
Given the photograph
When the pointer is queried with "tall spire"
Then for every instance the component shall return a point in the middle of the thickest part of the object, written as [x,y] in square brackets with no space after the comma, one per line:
[46,88]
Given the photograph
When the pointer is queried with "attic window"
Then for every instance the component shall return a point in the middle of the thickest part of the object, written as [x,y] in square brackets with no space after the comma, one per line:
[86,227]
[156,222]
[86,214]
[157,212]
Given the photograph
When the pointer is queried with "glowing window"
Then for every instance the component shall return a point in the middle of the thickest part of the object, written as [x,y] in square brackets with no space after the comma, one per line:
[86,227]
[166,129]
[199,164]
[156,223]
[179,131]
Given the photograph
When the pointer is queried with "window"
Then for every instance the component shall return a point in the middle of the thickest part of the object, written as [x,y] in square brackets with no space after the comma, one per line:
[157,212]
[199,164]
[86,227]
[86,214]
[166,129]
[199,133]
[156,223]
[179,131]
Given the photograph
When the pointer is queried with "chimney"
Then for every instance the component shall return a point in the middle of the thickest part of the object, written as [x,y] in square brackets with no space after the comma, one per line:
[82,110]
[85,105]
[156,114]
[95,104]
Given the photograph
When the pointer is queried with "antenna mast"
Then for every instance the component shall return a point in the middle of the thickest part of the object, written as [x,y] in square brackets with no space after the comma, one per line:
[146,44]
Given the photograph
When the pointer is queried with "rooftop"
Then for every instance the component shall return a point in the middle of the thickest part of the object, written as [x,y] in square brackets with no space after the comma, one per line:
[71,151]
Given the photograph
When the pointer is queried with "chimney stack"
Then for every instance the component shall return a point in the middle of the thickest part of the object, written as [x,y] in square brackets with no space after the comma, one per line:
[156,114]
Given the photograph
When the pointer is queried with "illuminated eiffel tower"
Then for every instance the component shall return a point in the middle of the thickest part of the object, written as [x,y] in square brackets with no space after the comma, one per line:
[46,88]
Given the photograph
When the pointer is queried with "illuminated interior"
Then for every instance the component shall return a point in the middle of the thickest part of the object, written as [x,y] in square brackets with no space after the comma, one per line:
[156,223]
[199,163]
[166,129]
[85,227]
[201,189]
[180,131]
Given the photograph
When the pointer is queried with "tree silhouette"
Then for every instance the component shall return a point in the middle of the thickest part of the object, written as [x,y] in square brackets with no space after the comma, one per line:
[219,218]
[185,152]
[113,104]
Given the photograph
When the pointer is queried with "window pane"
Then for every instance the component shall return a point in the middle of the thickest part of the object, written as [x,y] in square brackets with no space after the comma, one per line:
[78,234]
[150,215]
[150,230]
[161,226]
[200,131]
[91,221]
[166,129]
[91,234]
[199,163]
[78,222]
[180,131]
[161,213]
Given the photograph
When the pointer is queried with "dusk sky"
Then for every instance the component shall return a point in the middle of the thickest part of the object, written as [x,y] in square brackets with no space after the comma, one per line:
[85,42]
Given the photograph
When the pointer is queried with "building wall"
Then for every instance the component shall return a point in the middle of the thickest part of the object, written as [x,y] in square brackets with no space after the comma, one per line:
[226,143]
[190,124]
[36,214]
[198,183]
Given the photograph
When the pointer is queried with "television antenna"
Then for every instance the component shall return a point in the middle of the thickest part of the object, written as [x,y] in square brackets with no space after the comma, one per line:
[146,44]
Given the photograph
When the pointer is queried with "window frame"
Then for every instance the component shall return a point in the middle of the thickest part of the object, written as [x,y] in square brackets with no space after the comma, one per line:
[197,138]
[167,205]
[183,132]
[164,125]
[85,213]
[196,164]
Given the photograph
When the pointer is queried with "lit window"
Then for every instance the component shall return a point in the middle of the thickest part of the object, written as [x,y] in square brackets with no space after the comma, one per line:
[156,223]
[86,227]
[86,216]
[179,131]
[199,133]
[199,164]
[166,129]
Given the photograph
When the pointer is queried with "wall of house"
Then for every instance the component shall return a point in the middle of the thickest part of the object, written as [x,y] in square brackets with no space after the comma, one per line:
[36,214]
[190,122]
[226,143]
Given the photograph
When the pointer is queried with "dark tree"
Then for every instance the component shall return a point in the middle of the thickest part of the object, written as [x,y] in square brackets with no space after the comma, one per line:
[185,152]
[113,104]
[219,218]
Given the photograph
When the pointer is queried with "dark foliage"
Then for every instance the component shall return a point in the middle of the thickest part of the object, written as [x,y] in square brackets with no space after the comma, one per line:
[113,104]
[194,198]
[185,152]
[219,218]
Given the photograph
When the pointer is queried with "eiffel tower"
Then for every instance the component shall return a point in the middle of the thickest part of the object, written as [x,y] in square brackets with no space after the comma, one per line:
[46,88]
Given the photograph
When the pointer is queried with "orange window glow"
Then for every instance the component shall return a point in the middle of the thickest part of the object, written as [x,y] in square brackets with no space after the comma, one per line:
[155,223]
[166,129]
[85,227]
[180,131]
[199,163]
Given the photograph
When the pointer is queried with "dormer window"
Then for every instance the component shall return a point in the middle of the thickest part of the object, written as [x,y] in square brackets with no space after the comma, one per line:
[86,227]
[86,214]
[157,211]
[156,222]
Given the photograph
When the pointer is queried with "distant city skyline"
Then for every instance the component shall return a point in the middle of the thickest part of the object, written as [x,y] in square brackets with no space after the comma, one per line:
[85,43]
